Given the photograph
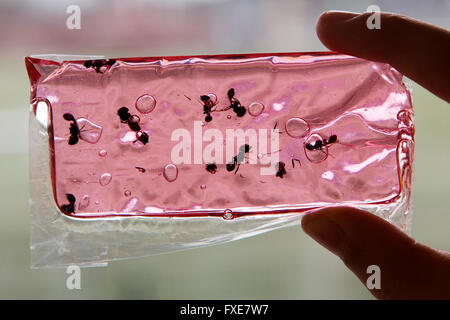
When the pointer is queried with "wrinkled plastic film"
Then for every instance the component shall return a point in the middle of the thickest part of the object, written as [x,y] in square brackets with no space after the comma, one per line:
[369,166]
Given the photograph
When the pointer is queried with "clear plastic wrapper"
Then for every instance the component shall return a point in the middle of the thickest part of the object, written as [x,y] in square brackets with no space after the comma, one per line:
[138,156]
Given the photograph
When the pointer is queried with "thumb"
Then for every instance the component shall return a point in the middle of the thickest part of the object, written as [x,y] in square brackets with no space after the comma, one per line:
[408,270]
[417,49]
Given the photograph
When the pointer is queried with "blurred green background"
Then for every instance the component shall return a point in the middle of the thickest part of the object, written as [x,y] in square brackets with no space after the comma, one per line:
[283,264]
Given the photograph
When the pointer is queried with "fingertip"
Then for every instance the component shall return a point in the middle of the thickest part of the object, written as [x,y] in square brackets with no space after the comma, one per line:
[332,17]
[362,239]
[327,22]
[348,33]
[415,48]
[324,227]
[325,212]
[316,216]
[336,210]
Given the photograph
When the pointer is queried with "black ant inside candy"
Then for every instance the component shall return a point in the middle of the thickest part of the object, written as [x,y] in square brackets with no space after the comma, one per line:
[281,171]
[237,160]
[207,107]
[126,117]
[235,104]
[133,123]
[232,165]
[140,169]
[73,130]
[211,168]
[69,208]
[208,104]
[98,64]
[318,144]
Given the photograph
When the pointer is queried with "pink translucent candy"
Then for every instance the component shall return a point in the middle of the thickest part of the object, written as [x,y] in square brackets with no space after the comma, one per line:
[345,133]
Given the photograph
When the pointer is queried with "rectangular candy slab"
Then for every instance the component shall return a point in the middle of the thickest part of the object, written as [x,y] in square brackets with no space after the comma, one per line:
[226,136]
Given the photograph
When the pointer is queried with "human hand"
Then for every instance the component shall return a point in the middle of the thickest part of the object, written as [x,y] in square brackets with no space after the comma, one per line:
[409,270]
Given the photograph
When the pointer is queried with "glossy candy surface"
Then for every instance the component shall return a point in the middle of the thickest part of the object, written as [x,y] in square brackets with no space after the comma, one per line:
[337,130]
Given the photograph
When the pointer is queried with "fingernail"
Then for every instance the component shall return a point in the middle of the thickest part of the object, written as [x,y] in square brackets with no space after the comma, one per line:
[340,11]
[325,231]
[336,16]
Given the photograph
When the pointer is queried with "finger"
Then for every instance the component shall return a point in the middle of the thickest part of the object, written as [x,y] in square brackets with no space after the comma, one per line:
[408,270]
[417,49]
